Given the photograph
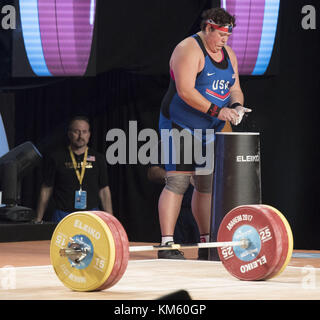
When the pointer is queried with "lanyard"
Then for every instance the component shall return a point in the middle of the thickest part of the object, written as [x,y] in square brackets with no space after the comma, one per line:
[83,167]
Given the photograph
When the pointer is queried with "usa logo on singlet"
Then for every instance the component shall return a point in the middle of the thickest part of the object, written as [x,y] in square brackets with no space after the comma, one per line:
[220,89]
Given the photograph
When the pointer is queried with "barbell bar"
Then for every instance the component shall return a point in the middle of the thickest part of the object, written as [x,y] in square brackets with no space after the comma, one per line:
[79,252]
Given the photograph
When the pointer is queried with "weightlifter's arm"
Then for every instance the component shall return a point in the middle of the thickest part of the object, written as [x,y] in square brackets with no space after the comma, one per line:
[236,94]
[186,62]
[45,194]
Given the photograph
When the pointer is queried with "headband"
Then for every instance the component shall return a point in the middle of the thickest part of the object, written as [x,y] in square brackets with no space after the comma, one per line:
[227,28]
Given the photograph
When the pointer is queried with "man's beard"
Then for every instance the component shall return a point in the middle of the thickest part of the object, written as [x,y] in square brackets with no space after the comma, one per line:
[78,144]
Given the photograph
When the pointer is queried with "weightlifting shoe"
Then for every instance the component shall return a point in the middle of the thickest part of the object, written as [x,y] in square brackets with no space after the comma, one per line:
[171,254]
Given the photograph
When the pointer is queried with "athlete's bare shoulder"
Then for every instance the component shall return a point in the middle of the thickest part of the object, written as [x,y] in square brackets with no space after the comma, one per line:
[187,50]
[188,45]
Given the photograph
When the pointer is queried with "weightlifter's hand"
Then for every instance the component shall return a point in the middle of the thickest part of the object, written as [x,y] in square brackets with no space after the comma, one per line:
[227,114]
[241,112]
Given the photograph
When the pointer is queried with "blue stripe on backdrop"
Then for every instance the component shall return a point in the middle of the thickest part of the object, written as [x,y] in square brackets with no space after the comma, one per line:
[31,35]
[269,29]
[4,147]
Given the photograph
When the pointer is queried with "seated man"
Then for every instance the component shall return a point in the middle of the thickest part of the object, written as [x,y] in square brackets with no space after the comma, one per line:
[75,175]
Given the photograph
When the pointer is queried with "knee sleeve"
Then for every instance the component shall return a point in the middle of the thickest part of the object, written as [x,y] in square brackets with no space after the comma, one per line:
[203,183]
[178,183]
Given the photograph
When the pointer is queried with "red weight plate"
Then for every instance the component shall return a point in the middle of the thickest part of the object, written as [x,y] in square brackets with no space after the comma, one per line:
[284,246]
[125,249]
[264,252]
[118,250]
[122,249]
[287,239]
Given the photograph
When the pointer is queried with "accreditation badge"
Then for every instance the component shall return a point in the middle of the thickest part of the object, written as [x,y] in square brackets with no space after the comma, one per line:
[80,199]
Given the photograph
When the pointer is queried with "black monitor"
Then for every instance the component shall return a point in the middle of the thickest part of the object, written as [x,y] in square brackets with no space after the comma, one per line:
[14,165]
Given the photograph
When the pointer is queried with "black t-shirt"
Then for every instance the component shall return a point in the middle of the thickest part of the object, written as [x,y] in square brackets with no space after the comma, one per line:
[60,174]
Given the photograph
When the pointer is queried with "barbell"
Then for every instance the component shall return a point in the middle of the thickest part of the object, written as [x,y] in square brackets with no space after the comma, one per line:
[90,250]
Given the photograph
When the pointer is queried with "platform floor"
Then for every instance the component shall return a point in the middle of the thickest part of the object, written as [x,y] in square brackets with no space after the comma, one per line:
[147,278]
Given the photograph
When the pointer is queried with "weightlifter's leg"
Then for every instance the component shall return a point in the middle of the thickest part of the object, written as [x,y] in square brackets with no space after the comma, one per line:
[201,208]
[169,208]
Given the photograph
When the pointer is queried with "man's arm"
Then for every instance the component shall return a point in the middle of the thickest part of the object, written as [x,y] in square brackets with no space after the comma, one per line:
[105,197]
[157,174]
[45,194]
